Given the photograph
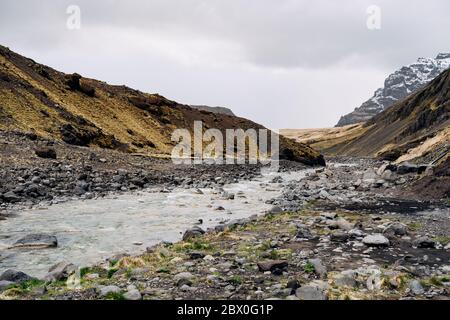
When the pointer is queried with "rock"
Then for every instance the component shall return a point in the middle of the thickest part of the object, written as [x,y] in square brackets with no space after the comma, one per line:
[227,196]
[273,266]
[396,229]
[132,293]
[60,271]
[407,167]
[356,233]
[339,223]
[374,282]
[46,153]
[304,233]
[11,197]
[37,241]
[192,233]
[376,240]
[382,168]
[339,237]
[388,175]
[329,215]
[416,288]
[183,276]
[425,242]
[5,284]
[319,268]
[323,194]
[346,278]
[275,210]
[293,285]
[196,255]
[15,276]
[106,290]
[316,290]
[369,174]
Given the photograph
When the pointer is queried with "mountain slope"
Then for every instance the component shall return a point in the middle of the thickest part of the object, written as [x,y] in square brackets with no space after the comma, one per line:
[221,110]
[422,119]
[39,100]
[398,86]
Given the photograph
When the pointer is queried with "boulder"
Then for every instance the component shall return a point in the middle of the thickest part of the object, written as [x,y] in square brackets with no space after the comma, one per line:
[15,276]
[415,287]
[346,278]
[192,233]
[132,293]
[376,240]
[272,265]
[319,268]
[396,229]
[425,242]
[106,290]
[407,167]
[339,237]
[316,290]
[11,197]
[37,240]
[60,271]
[46,153]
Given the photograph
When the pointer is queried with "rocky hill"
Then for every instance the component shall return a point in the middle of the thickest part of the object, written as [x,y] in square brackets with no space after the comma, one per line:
[220,110]
[397,86]
[416,127]
[38,100]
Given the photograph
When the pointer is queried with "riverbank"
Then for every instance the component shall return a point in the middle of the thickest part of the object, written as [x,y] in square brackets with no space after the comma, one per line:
[333,233]
[303,255]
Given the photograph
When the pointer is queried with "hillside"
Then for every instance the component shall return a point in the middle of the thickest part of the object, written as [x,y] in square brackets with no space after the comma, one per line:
[221,110]
[324,138]
[39,100]
[397,86]
[418,125]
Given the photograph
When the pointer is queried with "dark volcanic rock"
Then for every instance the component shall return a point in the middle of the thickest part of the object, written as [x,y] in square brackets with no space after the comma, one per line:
[46,153]
[272,265]
[15,276]
[192,233]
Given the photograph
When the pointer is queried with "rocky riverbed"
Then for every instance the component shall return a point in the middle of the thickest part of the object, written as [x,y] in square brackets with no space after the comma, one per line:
[340,232]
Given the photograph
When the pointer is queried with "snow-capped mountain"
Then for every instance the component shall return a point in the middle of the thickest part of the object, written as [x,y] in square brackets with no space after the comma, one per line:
[397,86]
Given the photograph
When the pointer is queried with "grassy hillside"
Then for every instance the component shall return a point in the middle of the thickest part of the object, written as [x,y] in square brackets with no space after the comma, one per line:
[40,100]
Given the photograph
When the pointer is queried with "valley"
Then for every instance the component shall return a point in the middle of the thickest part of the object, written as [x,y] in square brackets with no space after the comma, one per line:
[93,207]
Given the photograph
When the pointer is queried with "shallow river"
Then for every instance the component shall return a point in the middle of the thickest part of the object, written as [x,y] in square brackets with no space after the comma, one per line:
[89,231]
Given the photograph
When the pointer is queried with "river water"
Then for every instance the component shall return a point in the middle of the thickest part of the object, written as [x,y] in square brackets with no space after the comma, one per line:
[89,231]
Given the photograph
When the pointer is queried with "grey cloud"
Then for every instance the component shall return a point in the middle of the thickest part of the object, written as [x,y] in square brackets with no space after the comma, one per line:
[310,60]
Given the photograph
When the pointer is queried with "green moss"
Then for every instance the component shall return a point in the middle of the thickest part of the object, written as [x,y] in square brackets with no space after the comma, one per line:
[84,271]
[414,226]
[442,240]
[309,268]
[28,285]
[111,272]
[235,280]
[115,296]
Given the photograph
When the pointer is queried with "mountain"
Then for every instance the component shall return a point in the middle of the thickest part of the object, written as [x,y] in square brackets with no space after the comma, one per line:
[220,110]
[38,100]
[397,86]
[413,128]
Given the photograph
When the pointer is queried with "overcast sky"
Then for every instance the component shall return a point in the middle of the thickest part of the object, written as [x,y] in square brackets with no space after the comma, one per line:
[283,63]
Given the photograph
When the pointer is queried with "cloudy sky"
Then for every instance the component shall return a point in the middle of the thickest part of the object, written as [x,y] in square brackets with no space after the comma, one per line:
[283,63]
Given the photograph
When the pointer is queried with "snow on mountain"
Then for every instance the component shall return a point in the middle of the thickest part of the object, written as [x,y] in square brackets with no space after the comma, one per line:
[397,86]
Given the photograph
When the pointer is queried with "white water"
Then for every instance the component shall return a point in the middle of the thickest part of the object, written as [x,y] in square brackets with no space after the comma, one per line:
[89,231]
